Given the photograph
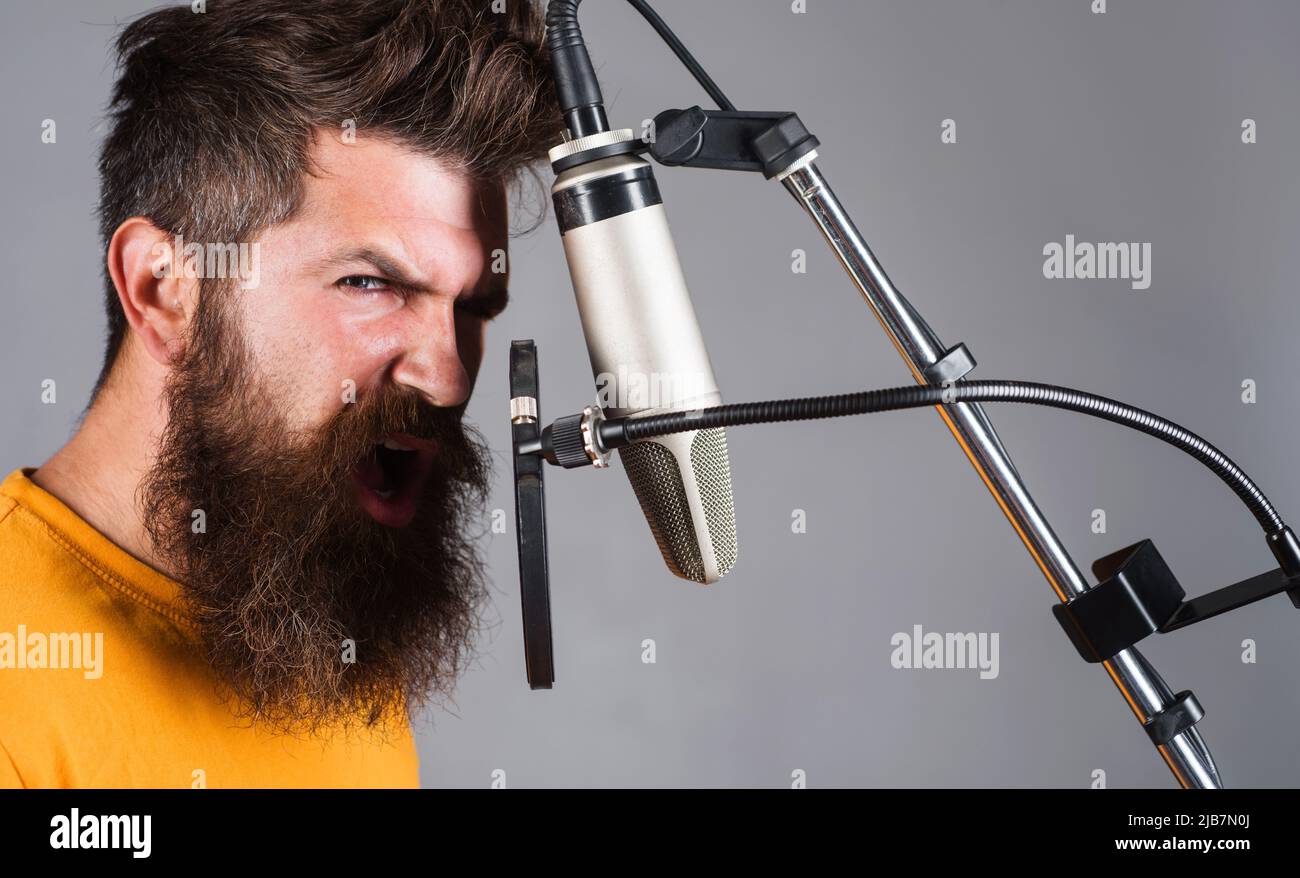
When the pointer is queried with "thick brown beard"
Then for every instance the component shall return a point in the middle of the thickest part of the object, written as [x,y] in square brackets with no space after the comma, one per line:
[290,566]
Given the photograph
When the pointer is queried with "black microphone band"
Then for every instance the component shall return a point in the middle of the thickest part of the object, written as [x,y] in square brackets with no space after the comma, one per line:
[612,195]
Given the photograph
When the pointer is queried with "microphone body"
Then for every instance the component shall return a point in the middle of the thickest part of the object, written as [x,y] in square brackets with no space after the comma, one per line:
[647,353]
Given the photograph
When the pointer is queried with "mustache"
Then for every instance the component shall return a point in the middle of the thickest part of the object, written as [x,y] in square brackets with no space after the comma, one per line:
[352,433]
[462,456]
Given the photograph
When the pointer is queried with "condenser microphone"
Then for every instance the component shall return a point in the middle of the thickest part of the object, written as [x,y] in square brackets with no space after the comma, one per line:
[647,353]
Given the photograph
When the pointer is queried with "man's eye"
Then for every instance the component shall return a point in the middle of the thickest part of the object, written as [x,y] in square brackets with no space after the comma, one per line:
[364,282]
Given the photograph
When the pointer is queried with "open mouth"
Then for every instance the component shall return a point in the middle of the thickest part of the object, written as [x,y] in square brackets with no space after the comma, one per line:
[391,478]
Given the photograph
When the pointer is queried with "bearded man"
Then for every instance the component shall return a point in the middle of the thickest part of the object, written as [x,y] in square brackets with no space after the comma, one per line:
[254,561]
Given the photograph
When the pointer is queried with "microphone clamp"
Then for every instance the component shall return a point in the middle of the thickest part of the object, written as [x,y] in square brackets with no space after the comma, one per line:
[574,440]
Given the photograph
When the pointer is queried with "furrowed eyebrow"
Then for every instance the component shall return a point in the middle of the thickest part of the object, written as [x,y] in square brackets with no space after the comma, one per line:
[495,298]
[378,260]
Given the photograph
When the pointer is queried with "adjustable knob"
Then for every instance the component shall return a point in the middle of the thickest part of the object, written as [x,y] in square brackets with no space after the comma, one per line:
[574,440]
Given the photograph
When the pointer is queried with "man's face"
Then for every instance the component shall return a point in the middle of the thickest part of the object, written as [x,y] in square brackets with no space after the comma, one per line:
[383,276]
[315,418]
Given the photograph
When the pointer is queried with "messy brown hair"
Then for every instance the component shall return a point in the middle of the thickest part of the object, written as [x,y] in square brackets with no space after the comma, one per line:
[212,112]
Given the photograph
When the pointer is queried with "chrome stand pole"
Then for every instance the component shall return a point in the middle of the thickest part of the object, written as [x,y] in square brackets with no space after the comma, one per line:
[1143,689]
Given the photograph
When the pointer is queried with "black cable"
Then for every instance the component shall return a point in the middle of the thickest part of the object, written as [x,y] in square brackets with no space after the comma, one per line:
[683,55]
[576,84]
[618,432]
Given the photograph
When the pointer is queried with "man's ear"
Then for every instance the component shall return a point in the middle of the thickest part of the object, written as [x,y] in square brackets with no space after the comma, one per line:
[156,297]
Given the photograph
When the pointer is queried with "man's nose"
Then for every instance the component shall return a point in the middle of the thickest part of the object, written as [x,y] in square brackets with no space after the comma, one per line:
[430,362]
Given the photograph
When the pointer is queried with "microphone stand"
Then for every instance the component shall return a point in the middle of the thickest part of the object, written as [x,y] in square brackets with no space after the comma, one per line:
[1143,689]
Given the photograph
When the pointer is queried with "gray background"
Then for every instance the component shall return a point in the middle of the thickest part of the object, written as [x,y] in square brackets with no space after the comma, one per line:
[1118,127]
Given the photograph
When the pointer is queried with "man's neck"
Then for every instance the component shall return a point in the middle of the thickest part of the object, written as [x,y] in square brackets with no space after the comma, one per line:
[97,473]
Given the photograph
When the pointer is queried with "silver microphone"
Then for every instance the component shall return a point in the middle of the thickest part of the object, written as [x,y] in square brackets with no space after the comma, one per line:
[647,353]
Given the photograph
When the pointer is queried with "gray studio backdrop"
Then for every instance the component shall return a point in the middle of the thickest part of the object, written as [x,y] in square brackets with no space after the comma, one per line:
[1120,127]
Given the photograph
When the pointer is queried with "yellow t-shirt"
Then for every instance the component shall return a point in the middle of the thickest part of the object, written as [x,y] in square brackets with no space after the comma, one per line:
[102,684]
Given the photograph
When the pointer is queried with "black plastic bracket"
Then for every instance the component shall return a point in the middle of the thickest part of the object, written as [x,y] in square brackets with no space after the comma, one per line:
[952,366]
[730,140]
[1181,715]
[1138,595]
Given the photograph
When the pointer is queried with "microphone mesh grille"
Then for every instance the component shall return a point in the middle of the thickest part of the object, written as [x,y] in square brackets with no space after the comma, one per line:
[657,480]
[713,477]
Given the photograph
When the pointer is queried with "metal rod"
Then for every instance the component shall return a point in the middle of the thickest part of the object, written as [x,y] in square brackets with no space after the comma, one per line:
[1145,692]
